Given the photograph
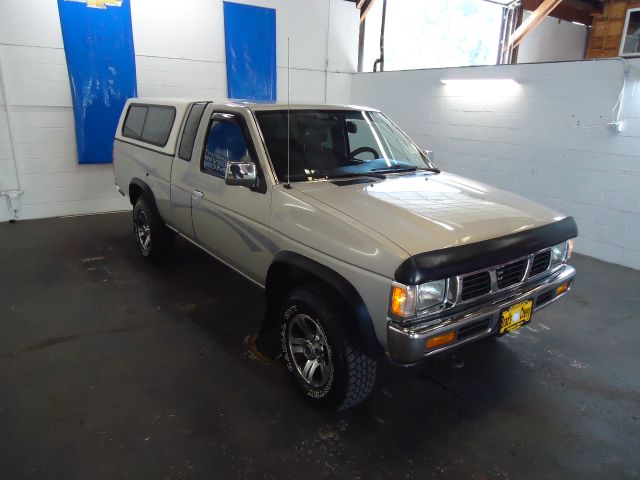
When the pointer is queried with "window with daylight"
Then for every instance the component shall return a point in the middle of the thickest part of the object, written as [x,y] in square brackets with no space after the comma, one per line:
[433,34]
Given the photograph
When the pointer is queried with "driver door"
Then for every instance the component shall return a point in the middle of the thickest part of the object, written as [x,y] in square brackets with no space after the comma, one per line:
[228,220]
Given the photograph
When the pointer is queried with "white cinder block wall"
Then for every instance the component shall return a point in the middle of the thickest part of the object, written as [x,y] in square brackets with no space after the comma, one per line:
[547,140]
[179,52]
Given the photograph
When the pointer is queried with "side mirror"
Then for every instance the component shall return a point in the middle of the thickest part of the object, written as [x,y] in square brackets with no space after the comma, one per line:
[241,173]
[429,154]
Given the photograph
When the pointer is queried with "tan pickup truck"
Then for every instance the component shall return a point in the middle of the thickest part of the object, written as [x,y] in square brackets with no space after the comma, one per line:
[364,248]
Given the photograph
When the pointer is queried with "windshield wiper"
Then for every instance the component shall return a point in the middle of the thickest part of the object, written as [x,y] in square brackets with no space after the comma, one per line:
[401,168]
[331,175]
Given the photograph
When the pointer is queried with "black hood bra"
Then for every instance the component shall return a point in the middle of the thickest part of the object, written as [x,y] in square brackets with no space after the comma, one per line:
[451,261]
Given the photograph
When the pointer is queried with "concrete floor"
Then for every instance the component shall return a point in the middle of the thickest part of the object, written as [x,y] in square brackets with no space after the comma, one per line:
[112,368]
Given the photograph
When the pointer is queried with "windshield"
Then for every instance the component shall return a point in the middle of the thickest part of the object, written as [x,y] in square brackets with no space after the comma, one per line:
[337,143]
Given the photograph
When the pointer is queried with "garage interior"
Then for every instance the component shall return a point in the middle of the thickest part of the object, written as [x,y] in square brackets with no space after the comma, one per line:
[114,368]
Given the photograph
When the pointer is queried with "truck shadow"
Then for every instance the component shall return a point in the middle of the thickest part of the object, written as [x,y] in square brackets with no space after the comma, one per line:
[410,408]
[229,308]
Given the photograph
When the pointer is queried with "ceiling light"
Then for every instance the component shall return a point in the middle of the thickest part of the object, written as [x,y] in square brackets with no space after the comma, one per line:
[500,86]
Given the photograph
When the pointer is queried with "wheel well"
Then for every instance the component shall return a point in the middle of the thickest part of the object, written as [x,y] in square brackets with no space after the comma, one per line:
[282,277]
[293,270]
[134,193]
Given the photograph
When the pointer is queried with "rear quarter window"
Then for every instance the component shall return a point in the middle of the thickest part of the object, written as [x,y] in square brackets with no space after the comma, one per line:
[149,123]
[190,131]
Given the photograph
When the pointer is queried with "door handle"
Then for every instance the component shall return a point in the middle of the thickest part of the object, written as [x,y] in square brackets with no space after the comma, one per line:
[198,194]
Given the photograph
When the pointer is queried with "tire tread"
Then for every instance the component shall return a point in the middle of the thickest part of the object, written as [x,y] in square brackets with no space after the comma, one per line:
[361,368]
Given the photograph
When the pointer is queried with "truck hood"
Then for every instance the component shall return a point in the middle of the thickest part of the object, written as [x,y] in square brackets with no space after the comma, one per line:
[425,212]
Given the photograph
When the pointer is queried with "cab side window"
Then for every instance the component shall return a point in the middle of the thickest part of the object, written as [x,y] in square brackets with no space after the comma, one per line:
[226,142]
[190,131]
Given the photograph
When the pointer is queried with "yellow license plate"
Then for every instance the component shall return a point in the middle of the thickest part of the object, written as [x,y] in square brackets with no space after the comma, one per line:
[515,316]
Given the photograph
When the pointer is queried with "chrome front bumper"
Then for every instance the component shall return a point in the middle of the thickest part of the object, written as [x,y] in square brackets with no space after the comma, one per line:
[407,345]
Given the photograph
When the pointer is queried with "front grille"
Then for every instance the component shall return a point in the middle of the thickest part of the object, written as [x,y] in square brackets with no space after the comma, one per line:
[475,285]
[540,263]
[511,273]
[501,277]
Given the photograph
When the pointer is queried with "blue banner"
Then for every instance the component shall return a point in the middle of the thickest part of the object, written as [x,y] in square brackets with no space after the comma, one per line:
[98,44]
[250,44]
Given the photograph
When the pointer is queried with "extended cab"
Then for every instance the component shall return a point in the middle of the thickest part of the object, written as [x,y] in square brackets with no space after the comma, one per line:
[364,248]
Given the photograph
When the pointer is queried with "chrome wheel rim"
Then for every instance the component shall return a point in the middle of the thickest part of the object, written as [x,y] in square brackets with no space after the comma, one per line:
[143,230]
[309,350]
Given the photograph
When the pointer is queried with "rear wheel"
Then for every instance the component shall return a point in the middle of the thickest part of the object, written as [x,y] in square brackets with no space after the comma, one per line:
[318,351]
[155,241]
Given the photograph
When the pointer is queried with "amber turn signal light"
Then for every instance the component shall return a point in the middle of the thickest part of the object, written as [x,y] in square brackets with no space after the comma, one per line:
[403,301]
[398,300]
[562,288]
[440,340]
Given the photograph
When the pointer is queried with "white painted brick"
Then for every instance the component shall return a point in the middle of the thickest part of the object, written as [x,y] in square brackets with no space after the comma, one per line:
[7,176]
[44,135]
[45,71]
[39,150]
[63,164]
[622,201]
[42,116]
[31,54]
[83,175]
[306,86]
[47,195]
[631,259]
[623,237]
[178,91]
[74,207]
[5,213]
[593,231]
[339,88]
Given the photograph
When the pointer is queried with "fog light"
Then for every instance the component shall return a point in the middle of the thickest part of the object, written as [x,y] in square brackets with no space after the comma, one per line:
[440,340]
[562,288]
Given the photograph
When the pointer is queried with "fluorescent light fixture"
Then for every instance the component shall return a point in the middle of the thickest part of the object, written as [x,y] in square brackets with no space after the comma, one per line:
[578,23]
[504,82]
[497,86]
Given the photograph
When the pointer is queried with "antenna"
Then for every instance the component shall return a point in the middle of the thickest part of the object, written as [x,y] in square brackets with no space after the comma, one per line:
[288,185]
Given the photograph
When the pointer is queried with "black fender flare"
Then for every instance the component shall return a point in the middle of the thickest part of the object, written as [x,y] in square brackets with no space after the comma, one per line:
[276,285]
[146,191]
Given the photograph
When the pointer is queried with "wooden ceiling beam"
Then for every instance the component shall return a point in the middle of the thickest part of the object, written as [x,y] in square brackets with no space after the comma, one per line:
[537,16]
[365,6]
[568,10]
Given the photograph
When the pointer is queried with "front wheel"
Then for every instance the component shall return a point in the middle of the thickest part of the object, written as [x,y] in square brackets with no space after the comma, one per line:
[318,351]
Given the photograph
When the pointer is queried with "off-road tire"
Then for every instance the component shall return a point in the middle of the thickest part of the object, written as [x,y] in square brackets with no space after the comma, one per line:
[352,373]
[159,247]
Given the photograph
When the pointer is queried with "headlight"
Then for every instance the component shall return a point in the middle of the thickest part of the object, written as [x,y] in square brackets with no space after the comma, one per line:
[431,294]
[559,253]
[407,299]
